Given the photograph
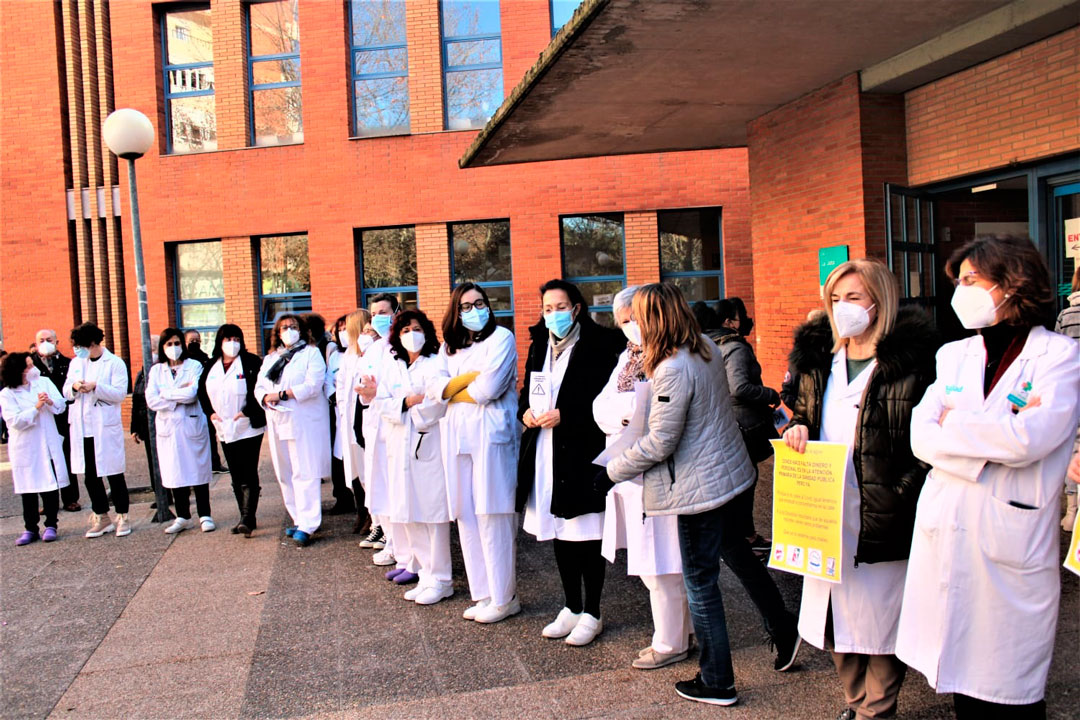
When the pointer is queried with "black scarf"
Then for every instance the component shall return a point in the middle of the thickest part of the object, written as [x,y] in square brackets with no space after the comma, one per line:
[274,374]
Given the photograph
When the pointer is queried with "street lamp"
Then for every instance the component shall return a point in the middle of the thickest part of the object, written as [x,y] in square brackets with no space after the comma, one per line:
[129,134]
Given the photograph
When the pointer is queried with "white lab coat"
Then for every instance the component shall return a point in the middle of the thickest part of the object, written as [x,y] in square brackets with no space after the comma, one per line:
[227,390]
[417,484]
[97,414]
[183,443]
[345,383]
[303,419]
[33,438]
[866,605]
[487,430]
[652,543]
[981,600]
[377,495]
[333,366]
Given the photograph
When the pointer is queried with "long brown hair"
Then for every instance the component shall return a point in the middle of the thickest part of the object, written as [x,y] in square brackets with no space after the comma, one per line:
[1014,264]
[455,334]
[667,324]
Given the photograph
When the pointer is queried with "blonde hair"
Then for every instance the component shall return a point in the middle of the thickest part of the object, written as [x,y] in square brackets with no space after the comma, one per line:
[880,284]
[667,324]
[355,323]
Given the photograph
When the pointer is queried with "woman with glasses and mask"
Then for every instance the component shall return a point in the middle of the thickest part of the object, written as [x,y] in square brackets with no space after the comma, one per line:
[227,395]
[290,388]
[478,383]
[183,442]
[983,584]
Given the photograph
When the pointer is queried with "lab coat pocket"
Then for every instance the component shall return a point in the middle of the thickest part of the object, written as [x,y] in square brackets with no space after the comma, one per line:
[195,425]
[110,414]
[499,425]
[1012,536]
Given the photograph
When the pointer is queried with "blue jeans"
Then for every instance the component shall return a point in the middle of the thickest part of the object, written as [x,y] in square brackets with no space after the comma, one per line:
[704,540]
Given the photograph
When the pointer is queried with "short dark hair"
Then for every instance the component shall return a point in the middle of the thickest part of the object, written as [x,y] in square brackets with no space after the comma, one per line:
[339,325]
[275,334]
[708,318]
[1015,265]
[189,331]
[384,297]
[316,325]
[431,340]
[574,293]
[227,330]
[168,334]
[455,334]
[12,368]
[86,335]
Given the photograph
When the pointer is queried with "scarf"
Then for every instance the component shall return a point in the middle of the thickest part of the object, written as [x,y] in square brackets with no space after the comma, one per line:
[634,370]
[558,347]
[275,371]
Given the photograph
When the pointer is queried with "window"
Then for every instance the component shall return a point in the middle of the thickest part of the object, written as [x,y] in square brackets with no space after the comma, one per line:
[380,68]
[472,62]
[284,279]
[592,250]
[199,281]
[188,66]
[388,259]
[480,253]
[692,252]
[274,72]
[561,12]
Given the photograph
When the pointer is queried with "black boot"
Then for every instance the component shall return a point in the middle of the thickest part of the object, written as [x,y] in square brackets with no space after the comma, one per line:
[251,507]
[239,491]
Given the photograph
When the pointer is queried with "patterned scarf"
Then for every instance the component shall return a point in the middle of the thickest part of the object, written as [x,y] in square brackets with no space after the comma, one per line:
[558,347]
[275,371]
[634,370]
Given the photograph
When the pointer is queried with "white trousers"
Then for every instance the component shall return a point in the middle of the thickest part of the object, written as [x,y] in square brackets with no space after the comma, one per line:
[670,612]
[397,544]
[488,544]
[429,551]
[302,495]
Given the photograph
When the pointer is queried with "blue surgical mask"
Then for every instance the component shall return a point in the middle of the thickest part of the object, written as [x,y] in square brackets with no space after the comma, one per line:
[82,353]
[382,324]
[559,322]
[475,319]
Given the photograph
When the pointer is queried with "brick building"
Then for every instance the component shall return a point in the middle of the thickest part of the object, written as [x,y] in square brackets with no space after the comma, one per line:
[306,156]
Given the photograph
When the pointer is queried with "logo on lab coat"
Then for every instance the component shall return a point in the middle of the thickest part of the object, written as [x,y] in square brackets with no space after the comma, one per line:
[954,389]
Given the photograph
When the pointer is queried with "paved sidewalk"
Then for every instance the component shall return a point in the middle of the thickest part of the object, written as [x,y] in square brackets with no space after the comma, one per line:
[211,625]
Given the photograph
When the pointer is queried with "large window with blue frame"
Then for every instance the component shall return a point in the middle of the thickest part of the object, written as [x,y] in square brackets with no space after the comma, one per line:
[692,252]
[472,61]
[561,12]
[284,279]
[187,51]
[380,67]
[388,264]
[480,253]
[593,255]
[199,288]
[274,72]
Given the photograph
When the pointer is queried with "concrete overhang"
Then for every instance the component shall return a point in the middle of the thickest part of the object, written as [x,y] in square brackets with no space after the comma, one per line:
[639,76]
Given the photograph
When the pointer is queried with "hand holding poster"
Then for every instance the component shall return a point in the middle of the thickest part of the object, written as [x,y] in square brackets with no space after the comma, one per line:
[808,509]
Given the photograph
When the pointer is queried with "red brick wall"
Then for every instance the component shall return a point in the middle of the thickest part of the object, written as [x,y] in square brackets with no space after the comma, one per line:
[1016,108]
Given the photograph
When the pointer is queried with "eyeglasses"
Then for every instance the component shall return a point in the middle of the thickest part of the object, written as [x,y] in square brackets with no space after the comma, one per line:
[479,305]
[967,280]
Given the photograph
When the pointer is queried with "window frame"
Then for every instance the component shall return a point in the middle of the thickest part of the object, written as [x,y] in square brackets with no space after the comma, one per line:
[719,274]
[264,326]
[445,41]
[252,59]
[486,285]
[366,292]
[354,77]
[178,303]
[166,67]
[578,279]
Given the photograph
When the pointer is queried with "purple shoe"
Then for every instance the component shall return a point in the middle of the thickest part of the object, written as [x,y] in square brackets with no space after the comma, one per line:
[405,577]
[26,538]
[391,574]
[50,535]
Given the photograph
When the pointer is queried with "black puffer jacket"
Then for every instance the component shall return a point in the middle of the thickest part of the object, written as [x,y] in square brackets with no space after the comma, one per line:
[750,399]
[890,477]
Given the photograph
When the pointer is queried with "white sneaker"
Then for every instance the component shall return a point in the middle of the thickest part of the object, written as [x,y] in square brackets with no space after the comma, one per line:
[413,593]
[495,613]
[180,525]
[565,621]
[207,523]
[585,631]
[470,612]
[434,594]
[383,557]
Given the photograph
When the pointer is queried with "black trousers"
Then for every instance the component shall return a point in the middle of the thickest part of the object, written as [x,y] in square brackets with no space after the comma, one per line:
[51,502]
[95,488]
[69,494]
[243,459]
[215,460]
[742,509]
[182,498]
[581,562]
[969,708]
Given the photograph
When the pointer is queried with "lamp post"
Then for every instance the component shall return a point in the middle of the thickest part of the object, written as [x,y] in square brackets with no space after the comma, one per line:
[129,134]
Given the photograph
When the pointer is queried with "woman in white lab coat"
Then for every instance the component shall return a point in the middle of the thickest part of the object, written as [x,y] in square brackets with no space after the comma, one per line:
[290,388]
[344,500]
[862,367]
[96,386]
[29,403]
[997,426]
[480,437]
[414,458]
[227,394]
[652,543]
[354,339]
[183,441]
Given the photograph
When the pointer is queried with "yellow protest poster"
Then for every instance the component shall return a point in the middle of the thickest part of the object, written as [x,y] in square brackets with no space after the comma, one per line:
[808,509]
[1072,560]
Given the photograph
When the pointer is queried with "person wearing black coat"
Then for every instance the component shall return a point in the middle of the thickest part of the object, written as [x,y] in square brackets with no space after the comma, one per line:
[193,340]
[54,366]
[574,356]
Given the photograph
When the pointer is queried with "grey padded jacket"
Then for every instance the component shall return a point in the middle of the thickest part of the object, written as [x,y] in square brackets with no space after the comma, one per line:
[693,456]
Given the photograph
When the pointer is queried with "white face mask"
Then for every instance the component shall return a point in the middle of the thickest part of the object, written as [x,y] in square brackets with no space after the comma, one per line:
[632,331]
[974,306]
[851,319]
[230,348]
[46,348]
[290,336]
[32,374]
[343,338]
[413,341]
[364,342]
[173,352]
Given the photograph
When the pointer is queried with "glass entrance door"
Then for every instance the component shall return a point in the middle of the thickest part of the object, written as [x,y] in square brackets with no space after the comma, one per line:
[1065,239]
